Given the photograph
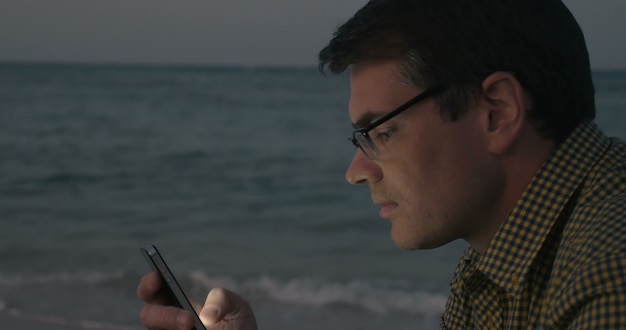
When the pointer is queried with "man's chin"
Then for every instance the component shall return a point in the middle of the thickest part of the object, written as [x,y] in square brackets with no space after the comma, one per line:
[405,242]
[415,242]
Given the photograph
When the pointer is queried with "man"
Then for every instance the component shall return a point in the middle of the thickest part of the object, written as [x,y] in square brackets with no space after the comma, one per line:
[473,120]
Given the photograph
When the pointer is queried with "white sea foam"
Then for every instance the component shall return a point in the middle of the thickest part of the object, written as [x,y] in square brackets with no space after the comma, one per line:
[358,294]
[318,293]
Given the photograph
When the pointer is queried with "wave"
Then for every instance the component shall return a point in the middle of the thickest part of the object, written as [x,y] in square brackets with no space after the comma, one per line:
[79,278]
[359,294]
[366,295]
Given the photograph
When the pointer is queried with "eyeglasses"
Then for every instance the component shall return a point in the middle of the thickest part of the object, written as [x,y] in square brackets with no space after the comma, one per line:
[361,138]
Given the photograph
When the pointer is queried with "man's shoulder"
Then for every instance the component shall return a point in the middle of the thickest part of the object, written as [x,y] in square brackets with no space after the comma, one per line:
[604,190]
[597,224]
[591,259]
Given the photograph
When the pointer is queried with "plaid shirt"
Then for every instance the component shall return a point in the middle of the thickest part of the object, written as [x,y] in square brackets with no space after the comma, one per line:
[559,259]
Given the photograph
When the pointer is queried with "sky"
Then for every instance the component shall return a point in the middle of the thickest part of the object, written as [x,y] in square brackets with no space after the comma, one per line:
[227,32]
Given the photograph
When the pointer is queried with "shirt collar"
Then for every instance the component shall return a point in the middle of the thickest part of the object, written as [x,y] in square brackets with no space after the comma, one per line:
[510,254]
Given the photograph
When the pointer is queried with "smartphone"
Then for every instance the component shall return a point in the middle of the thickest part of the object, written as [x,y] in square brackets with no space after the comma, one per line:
[172,288]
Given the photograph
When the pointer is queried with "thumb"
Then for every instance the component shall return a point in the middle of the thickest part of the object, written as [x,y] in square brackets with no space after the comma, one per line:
[220,304]
[211,314]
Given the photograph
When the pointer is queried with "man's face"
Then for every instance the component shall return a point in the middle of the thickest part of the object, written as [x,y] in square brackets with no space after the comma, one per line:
[435,180]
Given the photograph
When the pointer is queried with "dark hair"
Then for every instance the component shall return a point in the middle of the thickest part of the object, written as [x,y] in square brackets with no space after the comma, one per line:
[461,42]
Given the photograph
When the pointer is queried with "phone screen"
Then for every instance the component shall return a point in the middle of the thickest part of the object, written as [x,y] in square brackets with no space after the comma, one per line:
[156,262]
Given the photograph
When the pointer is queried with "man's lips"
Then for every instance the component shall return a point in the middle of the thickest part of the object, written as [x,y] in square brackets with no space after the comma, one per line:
[386,207]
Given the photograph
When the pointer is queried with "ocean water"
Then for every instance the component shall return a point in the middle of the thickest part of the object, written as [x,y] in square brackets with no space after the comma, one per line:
[236,174]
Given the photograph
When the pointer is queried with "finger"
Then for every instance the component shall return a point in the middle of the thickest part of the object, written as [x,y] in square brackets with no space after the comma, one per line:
[221,304]
[166,317]
[149,288]
[152,291]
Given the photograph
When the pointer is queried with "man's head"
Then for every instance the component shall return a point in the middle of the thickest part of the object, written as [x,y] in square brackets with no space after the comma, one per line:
[516,81]
[460,42]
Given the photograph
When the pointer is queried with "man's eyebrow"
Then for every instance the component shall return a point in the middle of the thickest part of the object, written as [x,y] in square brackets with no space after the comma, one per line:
[366,119]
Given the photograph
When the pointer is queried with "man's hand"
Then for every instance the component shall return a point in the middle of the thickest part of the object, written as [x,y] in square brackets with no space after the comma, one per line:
[222,310]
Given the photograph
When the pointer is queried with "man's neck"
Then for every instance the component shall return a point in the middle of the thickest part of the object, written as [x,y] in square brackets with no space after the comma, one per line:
[521,164]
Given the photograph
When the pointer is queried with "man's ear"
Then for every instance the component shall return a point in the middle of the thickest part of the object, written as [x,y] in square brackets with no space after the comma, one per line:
[505,110]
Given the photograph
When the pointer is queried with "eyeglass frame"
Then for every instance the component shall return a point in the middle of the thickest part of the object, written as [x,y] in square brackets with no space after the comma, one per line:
[361,135]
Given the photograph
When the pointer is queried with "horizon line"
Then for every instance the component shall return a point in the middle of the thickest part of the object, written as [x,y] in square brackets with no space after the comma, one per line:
[193,65]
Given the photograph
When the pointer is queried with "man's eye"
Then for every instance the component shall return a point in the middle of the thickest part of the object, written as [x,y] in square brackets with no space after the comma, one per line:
[384,134]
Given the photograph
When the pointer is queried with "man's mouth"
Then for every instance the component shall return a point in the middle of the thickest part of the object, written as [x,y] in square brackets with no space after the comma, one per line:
[387,207]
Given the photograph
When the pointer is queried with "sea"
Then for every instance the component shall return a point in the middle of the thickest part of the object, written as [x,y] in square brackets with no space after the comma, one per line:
[236,174]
